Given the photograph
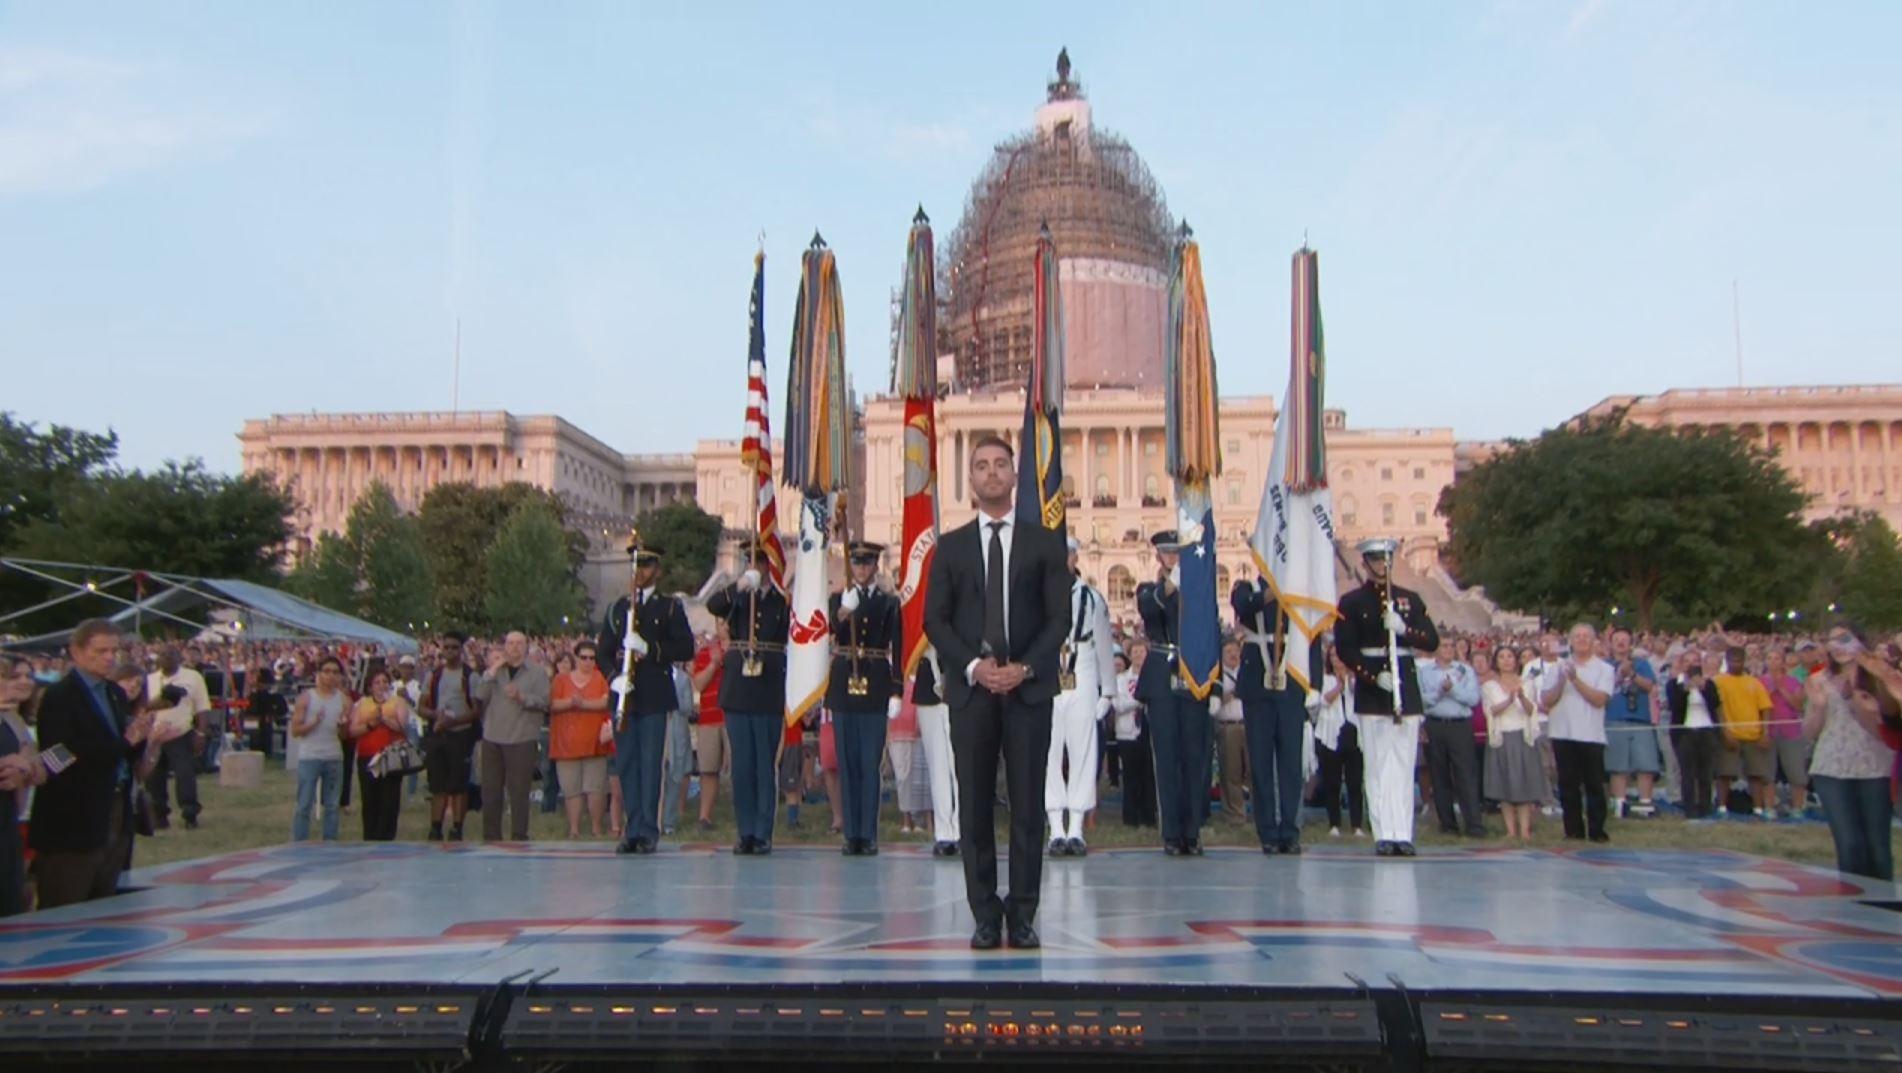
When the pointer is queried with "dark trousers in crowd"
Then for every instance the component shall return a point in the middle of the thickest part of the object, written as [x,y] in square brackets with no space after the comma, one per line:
[1454,770]
[1344,768]
[1859,812]
[551,785]
[508,773]
[1179,728]
[1581,767]
[754,737]
[986,725]
[71,878]
[381,804]
[349,776]
[1274,727]
[1139,780]
[1111,753]
[860,737]
[638,749]
[1696,767]
[177,760]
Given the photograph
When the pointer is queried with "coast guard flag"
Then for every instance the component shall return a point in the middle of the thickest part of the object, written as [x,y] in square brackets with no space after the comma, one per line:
[1040,451]
[1293,544]
[1192,434]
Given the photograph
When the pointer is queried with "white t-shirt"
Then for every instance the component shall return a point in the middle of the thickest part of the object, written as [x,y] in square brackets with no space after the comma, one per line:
[1696,711]
[1573,718]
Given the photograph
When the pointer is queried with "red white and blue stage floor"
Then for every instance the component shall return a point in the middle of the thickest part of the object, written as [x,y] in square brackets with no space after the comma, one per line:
[1648,929]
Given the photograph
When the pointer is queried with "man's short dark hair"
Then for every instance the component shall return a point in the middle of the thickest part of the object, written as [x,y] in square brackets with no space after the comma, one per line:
[991,439]
[89,629]
[456,635]
[1616,630]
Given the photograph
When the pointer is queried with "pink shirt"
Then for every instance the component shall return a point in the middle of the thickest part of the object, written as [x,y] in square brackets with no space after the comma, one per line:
[1786,715]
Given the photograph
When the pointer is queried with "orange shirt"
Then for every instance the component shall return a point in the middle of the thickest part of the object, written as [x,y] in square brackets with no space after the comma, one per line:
[576,735]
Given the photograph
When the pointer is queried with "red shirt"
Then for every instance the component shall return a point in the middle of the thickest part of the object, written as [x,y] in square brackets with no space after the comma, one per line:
[710,713]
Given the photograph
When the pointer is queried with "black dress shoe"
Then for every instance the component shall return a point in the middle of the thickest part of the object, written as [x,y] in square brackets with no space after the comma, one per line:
[988,936]
[1269,849]
[868,848]
[628,845]
[645,846]
[1293,849]
[762,847]
[945,850]
[1078,849]
[1601,838]
[1023,937]
[1383,849]
[1404,849]
[1172,848]
[850,848]
[744,847]
[1193,847]
[1058,847]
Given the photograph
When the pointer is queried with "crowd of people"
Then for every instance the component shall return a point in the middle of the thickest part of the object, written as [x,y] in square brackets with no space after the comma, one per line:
[1586,724]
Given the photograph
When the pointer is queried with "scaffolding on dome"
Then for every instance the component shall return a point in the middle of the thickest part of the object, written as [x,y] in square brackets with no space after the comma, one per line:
[1100,202]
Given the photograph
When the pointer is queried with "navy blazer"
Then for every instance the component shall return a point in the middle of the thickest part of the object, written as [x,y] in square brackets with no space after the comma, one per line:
[72,811]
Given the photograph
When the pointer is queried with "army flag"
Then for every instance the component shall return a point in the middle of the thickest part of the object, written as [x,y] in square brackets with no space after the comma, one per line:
[1040,450]
[1293,545]
[915,379]
[756,445]
[818,454]
[1194,460]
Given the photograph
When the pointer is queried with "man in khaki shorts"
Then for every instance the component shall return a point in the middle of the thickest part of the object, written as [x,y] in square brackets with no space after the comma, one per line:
[1744,706]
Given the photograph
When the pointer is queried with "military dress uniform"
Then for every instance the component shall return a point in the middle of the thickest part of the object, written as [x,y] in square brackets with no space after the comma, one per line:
[753,696]
[660,625]
[1087,682]
[1274,714]
[1390,744]
[862,696]
[1180,729]
[934,736]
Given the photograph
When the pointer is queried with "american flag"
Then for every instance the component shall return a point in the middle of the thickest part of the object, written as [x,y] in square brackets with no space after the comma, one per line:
[756,448]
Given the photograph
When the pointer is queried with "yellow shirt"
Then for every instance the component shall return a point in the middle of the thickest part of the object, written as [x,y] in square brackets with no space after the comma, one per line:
[1742,705]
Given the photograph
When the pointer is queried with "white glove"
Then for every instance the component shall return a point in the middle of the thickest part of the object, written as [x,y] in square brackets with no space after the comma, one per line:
[749,581]
[1215,705]
[637,645]
[1395,624]
[621,686]
[891,708]
[1175,575]
[850,601]
[1385,681]
[1314,701]
[1102,707]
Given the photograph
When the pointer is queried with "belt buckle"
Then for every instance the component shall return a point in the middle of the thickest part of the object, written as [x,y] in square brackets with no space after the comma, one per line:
[857,686]
[1066,680]
[1279,679]
[751,666]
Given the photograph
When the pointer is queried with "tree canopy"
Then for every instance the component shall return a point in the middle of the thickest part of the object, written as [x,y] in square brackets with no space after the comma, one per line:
[531,581]
[375,569]
[689,536]
[1607,513]
[460,523]
[38,470]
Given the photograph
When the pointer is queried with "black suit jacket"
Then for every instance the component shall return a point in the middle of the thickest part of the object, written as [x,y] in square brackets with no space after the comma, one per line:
[1039,607]
[662,623]
[72,811]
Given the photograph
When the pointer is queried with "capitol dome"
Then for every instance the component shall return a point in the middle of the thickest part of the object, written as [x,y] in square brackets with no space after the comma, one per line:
[1113,234]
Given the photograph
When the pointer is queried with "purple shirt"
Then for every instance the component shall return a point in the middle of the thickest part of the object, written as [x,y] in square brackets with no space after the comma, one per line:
[1786,717]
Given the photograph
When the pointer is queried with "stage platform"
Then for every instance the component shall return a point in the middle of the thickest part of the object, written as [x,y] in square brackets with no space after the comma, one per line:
[560,951]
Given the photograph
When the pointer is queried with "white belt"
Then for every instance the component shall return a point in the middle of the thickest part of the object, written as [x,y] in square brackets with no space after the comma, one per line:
[1373,651]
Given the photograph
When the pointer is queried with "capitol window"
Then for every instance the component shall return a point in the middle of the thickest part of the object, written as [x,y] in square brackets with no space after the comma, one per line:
[1149,449]
[1386,473]
[1102,449]
[1419,473]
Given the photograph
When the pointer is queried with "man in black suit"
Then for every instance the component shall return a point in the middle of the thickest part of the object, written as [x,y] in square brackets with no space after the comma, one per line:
[81,829]
[997,610]
[660,639]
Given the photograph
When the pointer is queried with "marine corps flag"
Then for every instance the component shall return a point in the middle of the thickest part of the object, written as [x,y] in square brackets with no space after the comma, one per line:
[1194,461]
[1040,452]
[756,447]
[915,379]
[818,452]
[1293,544]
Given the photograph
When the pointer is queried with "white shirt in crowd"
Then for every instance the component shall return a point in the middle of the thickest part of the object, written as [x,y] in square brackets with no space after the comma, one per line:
[1125,705]
[1696,710]
[1573,718]
[185,678]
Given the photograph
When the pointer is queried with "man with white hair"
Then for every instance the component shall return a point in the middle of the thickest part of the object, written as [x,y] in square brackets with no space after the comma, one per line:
[1380,628]
[1574,691]
[1086,681]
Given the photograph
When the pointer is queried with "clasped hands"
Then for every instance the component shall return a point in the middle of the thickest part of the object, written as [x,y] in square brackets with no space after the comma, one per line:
[999,677]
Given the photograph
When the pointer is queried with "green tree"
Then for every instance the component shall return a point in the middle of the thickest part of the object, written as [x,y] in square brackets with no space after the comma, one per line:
[39,470]
[689,536]
[460,522]
[179,519]
[531,579]
[397,589]
[1864,580]
[328,574]
[1608,513]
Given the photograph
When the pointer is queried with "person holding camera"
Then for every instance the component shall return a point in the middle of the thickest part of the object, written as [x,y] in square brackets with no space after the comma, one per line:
[1692,699]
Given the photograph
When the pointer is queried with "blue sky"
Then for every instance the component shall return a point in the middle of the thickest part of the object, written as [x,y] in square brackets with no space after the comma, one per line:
[218,211]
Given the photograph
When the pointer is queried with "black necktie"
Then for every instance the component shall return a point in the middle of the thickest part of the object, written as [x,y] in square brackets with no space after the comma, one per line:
[994,633]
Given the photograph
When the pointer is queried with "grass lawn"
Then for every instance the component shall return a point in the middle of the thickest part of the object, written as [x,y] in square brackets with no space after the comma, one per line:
[236,819]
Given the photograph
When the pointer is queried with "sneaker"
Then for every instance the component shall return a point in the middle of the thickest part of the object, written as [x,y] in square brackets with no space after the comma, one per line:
[706,825]
[1620,808]
[1335,832]
[1359,833]
[1644,810]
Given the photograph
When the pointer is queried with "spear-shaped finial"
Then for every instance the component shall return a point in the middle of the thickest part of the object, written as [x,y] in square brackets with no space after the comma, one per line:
[1185,232]
[818,240]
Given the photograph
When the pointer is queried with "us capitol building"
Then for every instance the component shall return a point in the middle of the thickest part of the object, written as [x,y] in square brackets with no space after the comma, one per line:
[1113,232]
